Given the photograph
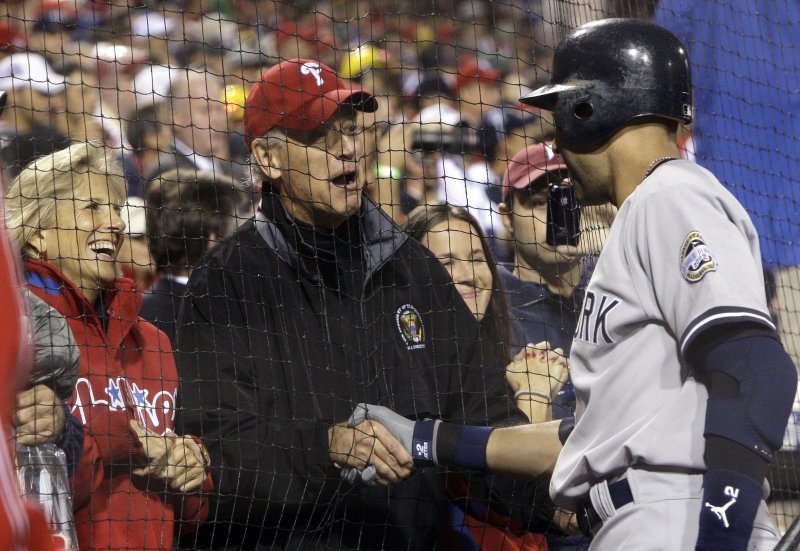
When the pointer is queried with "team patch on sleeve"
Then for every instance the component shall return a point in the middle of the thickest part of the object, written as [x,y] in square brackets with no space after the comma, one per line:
[696,258]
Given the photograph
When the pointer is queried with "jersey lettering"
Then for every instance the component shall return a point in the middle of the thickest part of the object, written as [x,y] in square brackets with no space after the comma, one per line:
[156,413]
[593,323]
[582,331]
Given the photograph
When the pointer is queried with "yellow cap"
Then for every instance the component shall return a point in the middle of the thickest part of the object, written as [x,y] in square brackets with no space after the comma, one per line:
[234,97]
[357,62]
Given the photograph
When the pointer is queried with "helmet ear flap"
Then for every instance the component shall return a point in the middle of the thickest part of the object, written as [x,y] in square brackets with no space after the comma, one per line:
[585,116]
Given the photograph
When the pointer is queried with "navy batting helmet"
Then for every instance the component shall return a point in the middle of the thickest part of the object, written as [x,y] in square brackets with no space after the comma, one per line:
[608,72]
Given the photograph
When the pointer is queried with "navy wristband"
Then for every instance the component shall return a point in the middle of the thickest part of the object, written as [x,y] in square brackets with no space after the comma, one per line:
[423,442]
[729,507]
[471,447]
[462,446]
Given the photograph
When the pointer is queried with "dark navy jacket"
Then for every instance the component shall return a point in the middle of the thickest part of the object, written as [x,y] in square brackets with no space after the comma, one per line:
[271,354]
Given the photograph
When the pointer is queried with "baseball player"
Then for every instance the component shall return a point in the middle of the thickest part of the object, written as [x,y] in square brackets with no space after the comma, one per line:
[683,388]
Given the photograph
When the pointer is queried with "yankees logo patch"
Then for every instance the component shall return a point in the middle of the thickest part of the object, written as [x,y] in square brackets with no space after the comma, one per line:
[696,258]
[409,323]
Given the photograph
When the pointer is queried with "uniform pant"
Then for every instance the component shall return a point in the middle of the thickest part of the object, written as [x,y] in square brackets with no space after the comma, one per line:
[787,296]
[663,515]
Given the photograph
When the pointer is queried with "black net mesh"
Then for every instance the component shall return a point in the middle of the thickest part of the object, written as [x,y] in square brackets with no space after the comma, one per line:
[237,285]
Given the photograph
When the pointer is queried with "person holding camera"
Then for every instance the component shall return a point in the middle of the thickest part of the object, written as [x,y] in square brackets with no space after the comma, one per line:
[446,148]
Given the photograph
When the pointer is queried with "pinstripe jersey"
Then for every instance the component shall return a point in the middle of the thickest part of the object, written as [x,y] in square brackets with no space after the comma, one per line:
[681,256]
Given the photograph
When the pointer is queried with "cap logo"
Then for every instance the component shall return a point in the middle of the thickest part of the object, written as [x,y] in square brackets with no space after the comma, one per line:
[310,68]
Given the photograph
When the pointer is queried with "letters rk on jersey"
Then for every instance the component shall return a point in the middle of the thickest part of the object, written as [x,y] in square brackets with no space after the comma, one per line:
[593,323]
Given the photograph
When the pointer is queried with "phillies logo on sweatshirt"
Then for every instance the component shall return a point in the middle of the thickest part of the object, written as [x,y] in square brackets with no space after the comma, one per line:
[156,411]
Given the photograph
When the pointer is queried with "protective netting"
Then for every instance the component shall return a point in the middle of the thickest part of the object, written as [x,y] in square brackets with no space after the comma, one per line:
[302,304]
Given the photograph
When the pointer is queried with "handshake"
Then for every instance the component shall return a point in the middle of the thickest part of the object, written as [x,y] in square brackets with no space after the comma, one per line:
[393,444]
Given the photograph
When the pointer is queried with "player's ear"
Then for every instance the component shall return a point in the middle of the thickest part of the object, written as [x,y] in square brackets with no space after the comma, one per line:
[265,154]
[506,217]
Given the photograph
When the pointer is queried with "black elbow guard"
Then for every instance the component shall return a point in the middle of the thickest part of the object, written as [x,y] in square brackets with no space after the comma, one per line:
[752,388]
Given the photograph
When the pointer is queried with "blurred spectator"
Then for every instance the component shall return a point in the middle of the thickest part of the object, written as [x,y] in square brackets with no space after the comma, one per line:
[187,213]
[430,90]
[160,34]
[152,84]
[113,66]
[51,33]
[508,130]
[11,38]
[242,68]
[152,144]
[192,103]
[478,86]
[36,98]
[446,146]
[133,257]
[196,111]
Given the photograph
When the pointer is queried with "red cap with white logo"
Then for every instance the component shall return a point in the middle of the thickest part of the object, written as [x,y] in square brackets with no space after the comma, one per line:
[529,165]
[299,94]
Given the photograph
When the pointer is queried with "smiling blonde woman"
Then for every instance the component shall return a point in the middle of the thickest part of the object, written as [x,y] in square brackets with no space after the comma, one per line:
[135,478]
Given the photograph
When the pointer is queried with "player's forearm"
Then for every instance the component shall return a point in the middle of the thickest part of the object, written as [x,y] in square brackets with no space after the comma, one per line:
[524,451]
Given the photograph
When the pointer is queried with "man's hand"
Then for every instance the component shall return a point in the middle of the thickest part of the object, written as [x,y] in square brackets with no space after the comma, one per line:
[177,460]
[431,441]
[567,521]
[368,443]
[39,417]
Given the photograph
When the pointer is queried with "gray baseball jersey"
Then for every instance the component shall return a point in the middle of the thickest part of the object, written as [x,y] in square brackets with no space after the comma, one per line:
[681,256]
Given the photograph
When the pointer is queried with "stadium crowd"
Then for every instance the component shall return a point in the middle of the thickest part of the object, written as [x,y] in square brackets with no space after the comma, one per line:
[154,158]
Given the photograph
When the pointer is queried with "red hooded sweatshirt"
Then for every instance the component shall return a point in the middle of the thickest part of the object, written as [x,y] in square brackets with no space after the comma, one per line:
[115,509]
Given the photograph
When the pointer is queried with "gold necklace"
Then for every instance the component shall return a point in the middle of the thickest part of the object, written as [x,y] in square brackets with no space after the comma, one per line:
[656,163]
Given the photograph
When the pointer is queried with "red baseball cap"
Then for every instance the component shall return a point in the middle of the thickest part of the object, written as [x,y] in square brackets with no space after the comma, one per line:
[529,165]
[11,39]
[475,71]
[299,94]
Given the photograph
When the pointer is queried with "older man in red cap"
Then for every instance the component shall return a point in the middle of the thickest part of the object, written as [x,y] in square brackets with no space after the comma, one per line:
[318,303]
